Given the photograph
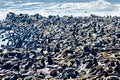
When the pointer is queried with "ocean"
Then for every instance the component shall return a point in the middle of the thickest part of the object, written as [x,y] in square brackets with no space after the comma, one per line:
[60,7]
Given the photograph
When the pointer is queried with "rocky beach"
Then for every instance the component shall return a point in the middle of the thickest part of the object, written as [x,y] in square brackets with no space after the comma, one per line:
[59,48]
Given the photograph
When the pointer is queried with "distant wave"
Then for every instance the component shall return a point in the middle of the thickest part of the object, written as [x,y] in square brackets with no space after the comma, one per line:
[98,7]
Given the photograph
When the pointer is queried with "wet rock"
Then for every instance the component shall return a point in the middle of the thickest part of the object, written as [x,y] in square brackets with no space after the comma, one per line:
[6,56]
[117,68]
[7,66]
[71,75]
[69,70]
[60,70]
[1,50]
[86,48]
[118,35]
[42,75]
[28,65]
[16,67]
[43,62]
[10,16]
[50,61]
[53,73]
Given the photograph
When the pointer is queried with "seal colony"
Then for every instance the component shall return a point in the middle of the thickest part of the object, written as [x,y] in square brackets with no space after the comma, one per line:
[60,48]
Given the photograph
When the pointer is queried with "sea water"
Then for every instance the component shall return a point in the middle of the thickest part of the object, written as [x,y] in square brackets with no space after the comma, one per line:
[61,7]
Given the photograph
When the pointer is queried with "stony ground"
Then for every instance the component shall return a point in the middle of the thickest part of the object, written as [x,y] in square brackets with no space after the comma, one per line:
[60,48]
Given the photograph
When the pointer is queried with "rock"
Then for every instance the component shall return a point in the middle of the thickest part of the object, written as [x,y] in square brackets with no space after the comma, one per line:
[1,50]
[2,45]
[28,65]
[41,75]
[16,67]
[71,75]
[78,62]
[118,35]
[117,68]
[86,48]
[43,62]
[68,70]
[6,56]
[10,16]
[50,61]
[7,66]
[60,70]
[53,73]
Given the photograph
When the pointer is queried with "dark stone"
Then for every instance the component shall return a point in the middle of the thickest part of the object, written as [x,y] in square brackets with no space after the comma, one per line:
[50,61]
[28,65]
[89,65]
[2,46]
[62,76]
[86,48]
[105,73]
[26,55]
[18,44]
[93,71]
[42,75]
[19,56]
[10,16]
[7,66]
[78,62]
[106,61]
[71,75]
[94,51]
[117,68]
[6,56]
[112,64]
[1,50]
[68,70]
[12,54]
[16,67]
[60,70]
[53,73]
[110,71]
[95,62]
[64,66]
[98,44]
[118,35]
[43,62]
[101,30]
[76,73]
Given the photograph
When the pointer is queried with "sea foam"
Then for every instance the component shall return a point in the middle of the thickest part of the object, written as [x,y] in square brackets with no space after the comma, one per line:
[99,7]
